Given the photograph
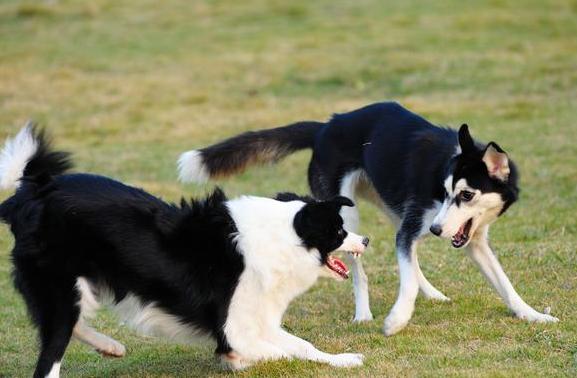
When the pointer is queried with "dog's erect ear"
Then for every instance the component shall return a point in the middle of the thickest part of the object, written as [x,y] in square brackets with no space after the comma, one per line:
[497,162]
[465,141]
[342,201]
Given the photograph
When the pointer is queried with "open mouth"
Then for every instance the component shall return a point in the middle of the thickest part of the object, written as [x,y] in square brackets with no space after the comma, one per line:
[462,236]
[338,267]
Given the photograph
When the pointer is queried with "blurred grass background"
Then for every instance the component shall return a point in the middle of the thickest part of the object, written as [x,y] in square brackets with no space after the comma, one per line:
[128,85]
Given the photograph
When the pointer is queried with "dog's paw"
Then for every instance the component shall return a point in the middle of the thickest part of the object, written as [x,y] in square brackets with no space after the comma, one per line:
[440,298]
[536,317]
[112,348]
[436,296]
[232,361]
[363,316]
[347,360]
[394,323]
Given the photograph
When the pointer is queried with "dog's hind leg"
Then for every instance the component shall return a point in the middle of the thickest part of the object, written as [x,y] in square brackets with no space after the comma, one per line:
[88,303]
[426,288]
[51,301]
[103,344]
[481,253]
[350,217]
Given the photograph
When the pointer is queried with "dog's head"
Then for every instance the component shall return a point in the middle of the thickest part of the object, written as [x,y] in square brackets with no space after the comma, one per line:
[320,227]
[481,183]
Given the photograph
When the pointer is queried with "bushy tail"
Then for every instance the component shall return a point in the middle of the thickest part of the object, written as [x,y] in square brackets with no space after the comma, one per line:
[29,156]
[235,154]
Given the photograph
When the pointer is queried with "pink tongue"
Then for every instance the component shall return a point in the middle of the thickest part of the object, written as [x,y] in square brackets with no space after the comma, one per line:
[461,231]
[339,263]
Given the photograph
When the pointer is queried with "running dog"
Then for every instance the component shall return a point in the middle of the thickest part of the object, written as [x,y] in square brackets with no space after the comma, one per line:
[427,179]
[215,269]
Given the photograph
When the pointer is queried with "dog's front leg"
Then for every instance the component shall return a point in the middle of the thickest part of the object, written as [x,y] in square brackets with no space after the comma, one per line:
[302,349]
[403,309]
[481,253]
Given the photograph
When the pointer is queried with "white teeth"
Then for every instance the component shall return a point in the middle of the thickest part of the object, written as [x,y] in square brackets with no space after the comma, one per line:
[354,254]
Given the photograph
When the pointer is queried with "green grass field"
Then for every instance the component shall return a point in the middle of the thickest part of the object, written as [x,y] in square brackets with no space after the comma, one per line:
[128,85]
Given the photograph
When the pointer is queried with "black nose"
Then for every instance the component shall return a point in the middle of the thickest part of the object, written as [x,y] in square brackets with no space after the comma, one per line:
[365,241]
[436,229]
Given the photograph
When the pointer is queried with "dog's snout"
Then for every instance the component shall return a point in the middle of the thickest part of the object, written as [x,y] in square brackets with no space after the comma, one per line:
[436,229]
[365,241]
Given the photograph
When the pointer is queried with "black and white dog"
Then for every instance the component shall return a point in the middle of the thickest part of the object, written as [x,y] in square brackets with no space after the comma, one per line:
[220,269]
[426,178]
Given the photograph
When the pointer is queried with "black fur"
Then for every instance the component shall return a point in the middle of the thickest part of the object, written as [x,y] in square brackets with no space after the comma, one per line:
[405,157]
[180,257]
[469,165]
[264,145]
[319,224]
[122,239]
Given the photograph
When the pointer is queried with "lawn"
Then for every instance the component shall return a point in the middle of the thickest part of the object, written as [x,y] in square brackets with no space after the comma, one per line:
[128,85]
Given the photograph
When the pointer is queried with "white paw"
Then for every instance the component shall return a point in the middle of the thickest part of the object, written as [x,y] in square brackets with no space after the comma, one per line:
[436,296]
[347,360]
[112,349]
[537,317]
[394,323]
[363,316]
[232,361]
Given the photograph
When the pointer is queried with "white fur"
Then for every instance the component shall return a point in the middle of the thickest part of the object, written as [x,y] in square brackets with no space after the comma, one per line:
[83,332]
[484,209]
[353,243]
[191,167]
[481,253]
[103,344]
[54,371]
[148,319]
[277,269]
[88,302]
[15,155]
[145,318]
[403,309]
[428,290]
[350,217]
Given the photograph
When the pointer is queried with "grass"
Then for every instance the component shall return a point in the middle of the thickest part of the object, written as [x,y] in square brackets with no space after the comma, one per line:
[129,85]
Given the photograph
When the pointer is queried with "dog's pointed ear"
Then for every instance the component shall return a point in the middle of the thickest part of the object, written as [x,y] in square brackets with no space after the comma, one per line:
[465,141]
[342,201]
[497,162]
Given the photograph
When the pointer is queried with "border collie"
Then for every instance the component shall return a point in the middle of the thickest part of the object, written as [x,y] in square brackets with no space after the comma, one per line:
[425,178]
[215,268]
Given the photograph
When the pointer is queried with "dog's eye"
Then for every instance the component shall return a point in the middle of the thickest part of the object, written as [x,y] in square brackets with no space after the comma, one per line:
[466,196]
[341,232]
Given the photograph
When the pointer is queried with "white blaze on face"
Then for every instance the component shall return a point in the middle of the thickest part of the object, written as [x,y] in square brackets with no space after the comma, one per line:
[353,243]
[334,267]
[482,209]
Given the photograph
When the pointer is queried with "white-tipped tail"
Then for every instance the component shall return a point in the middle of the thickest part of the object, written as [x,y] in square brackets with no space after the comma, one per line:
[191,167]
[16,153]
